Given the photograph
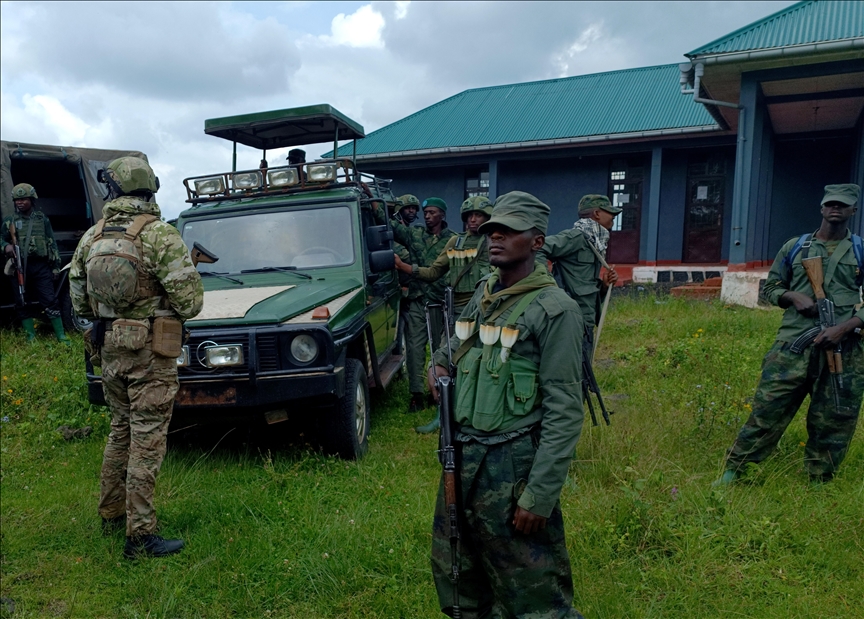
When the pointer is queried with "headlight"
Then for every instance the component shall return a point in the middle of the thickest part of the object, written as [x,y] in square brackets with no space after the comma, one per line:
[282,178]
[247,180]
[321,172]
[304,348]
[183,359]
[210,186]
[219,356]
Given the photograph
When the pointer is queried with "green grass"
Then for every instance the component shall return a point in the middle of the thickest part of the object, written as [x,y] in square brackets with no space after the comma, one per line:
[280,531]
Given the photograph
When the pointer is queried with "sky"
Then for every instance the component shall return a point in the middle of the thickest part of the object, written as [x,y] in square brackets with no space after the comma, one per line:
[145,76]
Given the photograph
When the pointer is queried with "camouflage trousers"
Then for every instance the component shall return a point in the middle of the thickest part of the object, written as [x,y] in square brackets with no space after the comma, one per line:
[787,378]
[503,573]
[139,387]
[417,338]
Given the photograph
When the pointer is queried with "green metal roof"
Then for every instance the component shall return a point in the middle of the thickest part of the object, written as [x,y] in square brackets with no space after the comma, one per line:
[600,104]
[813,21]
[312,124]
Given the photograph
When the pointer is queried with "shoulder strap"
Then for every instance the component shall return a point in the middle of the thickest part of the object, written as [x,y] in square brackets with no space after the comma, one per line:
[858,250]
[100,228]
[802,242]
[138,224]
[471,264]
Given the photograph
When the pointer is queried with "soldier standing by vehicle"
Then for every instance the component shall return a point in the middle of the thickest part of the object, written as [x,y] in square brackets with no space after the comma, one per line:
[40,260]
[794,367]
[133,275]
[424,245]
[519,416]
[469,264]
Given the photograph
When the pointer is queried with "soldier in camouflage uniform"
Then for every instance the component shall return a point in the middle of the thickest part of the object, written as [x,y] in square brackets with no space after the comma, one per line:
[39,256]
[469,264]
[519,417]
[787,377]
[406,213]
[424,245]
[138,379]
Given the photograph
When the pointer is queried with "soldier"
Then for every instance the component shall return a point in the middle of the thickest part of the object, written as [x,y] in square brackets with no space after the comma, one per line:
[296,156]
[424,245]
[467,269]
[519,418]
[40,259]
[407,209]
[787,377]
[138,314]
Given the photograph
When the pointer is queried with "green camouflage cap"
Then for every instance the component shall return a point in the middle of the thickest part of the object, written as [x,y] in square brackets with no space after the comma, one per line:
[436,202]
[23,190]
[407,200]
[847,193]
[518,211]
[132,174]
[595,200]
[476,203]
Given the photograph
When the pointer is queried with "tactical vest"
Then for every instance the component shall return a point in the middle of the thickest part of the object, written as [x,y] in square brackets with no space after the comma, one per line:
[468,265]
[494,390]
[38,244]
[115,272]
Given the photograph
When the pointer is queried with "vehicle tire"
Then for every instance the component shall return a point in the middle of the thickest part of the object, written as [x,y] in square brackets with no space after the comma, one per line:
[71,322]
[345,431]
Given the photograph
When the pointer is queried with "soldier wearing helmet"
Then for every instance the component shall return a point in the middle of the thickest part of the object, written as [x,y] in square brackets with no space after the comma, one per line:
[407,207]
[465,258]
[40,259]
[138,304]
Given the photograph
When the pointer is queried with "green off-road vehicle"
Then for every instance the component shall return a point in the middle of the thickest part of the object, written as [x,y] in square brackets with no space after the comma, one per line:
[301,306]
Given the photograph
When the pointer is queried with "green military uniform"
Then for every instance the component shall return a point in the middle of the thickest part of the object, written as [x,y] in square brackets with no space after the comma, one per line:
[423,248]
[139,384]
[40,258]
[519,422]
[788,378]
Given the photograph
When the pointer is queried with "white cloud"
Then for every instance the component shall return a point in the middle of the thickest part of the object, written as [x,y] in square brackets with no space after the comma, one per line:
[362,28]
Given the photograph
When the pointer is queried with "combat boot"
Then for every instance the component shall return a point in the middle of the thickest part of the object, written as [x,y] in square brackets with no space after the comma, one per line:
[57,323]
[151,546]
[728,477]
[430,427]
[29,328]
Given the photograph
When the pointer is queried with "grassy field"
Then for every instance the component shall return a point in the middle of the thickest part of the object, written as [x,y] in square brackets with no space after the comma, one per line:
[275,530]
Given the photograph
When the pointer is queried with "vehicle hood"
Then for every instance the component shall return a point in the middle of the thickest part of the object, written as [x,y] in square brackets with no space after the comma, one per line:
[273,300]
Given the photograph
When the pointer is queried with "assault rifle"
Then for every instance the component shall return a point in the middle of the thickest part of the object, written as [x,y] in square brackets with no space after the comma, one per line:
[449,313]
[589,382]
[447,451]
[827,318]
[19,267]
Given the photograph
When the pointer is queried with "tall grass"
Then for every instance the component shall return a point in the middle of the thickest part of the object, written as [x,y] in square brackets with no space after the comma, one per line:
[274,529]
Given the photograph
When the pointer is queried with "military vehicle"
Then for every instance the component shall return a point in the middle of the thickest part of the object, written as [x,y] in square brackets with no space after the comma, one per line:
[69,194]
[301,304]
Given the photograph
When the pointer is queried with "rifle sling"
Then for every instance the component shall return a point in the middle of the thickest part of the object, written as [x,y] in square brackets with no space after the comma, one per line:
[469,266]
[26,247]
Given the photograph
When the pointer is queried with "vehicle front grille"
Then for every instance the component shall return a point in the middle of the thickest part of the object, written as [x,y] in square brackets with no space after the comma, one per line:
[268,352]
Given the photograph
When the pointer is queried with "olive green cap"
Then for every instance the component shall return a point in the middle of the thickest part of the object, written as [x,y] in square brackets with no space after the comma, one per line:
[847,193]
[407,200]
[436,202]
[480,204]
[596,200]
[23,190]
[518,211]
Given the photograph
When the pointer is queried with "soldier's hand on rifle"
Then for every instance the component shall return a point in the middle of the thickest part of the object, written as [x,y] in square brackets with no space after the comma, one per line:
[405,268]
[832,336]
[434,372]
[804,305]
[528,523]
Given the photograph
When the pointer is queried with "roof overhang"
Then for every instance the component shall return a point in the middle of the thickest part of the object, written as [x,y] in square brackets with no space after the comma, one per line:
[297,126]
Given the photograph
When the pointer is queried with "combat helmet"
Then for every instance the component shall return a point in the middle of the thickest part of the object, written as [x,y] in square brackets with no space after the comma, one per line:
[476,203]
[407,200]
[130,175]
[23,190]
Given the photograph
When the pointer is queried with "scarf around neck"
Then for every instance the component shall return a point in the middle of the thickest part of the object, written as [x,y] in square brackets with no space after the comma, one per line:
[595,233]
[539,278]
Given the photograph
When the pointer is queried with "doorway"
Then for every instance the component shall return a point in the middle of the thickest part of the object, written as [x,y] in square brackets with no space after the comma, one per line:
[625,192]
[706,197]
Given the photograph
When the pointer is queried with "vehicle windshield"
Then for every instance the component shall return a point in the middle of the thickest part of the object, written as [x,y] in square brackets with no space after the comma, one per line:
[301,239]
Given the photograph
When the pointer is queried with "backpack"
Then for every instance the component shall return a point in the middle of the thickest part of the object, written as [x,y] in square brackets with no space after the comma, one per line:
[113,265]
[804,241]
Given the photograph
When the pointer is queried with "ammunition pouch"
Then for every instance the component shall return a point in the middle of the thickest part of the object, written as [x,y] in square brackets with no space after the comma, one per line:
[168,337]
[129,334]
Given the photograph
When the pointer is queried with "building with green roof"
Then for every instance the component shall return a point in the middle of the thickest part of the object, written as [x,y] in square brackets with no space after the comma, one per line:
[716,162]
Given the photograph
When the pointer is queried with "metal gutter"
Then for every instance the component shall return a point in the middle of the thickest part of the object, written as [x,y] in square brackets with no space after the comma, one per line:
[781,52]
[607,137]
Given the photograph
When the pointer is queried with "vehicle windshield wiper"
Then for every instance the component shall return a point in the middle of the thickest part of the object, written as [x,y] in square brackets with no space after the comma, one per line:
[221,276]
[292,270]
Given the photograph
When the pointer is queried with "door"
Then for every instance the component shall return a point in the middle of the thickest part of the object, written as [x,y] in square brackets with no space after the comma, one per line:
[625,191]
[703,222]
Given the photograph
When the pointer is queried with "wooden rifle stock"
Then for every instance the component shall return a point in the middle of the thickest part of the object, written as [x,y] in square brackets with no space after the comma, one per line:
[19,267]
[813,268]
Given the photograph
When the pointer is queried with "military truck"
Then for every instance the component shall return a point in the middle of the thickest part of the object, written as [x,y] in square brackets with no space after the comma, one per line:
[69,194]
[301,305]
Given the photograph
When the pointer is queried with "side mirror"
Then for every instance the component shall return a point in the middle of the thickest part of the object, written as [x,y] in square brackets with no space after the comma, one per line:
[382,260]
[202,254]
[378,238]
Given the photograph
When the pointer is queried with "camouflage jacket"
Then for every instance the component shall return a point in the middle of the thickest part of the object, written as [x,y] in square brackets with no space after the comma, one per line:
[576,268]
[464,288]
[42,243]
[423,249]
[840,270]
[166,258]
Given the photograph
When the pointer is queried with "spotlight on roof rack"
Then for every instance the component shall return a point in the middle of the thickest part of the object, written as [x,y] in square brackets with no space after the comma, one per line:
[282,178]
[246,180]
[209,186]
[321,172]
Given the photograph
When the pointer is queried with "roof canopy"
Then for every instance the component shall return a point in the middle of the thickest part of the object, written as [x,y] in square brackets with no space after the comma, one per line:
[296,126]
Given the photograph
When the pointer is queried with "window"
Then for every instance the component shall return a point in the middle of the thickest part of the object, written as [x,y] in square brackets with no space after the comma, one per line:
[476,183]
